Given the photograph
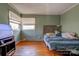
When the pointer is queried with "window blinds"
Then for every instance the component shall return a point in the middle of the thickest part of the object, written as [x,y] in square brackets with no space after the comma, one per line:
[28,21]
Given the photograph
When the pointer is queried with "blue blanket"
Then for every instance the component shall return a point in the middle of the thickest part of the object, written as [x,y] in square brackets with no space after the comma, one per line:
[57,41]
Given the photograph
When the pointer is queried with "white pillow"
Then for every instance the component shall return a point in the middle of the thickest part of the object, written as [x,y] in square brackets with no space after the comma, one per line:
[64,35]
[69,35]
[50,34]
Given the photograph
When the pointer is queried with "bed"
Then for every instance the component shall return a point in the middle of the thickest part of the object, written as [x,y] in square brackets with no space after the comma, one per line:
[61,43]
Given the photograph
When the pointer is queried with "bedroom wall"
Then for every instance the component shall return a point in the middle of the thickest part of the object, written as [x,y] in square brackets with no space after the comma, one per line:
[70,20]
[41,20]
[4,17]
[4,13]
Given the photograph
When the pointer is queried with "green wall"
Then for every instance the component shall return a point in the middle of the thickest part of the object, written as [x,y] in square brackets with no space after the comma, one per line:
[41,20]
[70,20]
[45,20]
[4,17]
[4,13]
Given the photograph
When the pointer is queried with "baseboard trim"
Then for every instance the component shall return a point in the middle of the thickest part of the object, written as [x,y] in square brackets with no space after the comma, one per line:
[28,41]
[33,40]
[18,42]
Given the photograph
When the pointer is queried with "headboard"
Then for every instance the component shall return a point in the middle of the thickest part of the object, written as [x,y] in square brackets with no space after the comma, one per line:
[51,28]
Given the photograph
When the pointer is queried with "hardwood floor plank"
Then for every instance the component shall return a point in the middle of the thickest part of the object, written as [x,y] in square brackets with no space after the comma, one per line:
[25,48]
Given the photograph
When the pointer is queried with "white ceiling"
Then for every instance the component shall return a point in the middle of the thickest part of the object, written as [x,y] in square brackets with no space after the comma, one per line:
[43,8]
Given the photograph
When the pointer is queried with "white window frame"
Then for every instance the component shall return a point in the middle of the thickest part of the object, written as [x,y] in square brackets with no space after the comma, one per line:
[15,19]
[30,25]
[14,26]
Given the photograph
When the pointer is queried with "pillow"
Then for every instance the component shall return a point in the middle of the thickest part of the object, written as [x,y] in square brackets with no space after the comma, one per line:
[69,35]
[50,34]
[73,36]
[64,35]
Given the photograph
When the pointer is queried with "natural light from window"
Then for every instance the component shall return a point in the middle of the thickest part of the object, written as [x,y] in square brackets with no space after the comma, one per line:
[14,21]
[14,26]
[28,27]
[28,23]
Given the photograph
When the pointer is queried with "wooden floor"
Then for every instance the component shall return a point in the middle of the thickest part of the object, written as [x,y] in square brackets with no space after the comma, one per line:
[25,48]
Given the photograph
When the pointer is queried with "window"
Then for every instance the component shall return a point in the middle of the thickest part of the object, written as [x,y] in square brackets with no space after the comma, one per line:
[28,27]
[28,23]
[14,26]
[14,21]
